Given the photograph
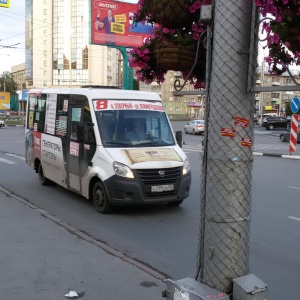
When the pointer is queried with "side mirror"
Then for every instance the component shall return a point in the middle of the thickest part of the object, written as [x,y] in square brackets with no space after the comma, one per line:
[178,135]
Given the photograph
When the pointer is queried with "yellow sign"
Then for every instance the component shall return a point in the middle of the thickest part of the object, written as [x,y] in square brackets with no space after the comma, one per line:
[269,107]
[5,3]
[151,154]
[120,18]
[117,28]
[4,101]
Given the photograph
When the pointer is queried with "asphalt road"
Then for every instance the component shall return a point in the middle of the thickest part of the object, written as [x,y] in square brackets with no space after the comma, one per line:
[166,239]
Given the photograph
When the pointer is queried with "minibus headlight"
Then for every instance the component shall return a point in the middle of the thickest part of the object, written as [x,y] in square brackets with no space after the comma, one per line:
[122,170]
[186,167]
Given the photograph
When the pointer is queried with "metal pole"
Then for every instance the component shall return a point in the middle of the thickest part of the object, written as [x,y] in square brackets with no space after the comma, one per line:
[127,71]
[226,194]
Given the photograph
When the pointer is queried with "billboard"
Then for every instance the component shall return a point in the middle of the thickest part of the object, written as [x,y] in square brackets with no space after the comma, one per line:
[4,101]
[5,3]
[111,24]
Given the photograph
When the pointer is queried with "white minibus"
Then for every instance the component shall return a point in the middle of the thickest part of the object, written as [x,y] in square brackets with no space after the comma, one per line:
[85,140]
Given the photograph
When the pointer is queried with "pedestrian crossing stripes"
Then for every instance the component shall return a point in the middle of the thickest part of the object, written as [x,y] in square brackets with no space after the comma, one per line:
[11,162]
[6,161]
[192,148]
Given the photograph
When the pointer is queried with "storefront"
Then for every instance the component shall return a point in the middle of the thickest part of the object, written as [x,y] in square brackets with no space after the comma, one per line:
[196,110]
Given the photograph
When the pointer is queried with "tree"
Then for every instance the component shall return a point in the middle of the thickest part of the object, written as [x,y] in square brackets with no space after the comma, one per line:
[288,110]
[136,85]
[7,83]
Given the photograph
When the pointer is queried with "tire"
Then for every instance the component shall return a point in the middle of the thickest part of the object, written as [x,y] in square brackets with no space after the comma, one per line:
[42,178]
[175,203]
[271,126]
[282,138]
[194,132]
[185,131]
[100,199]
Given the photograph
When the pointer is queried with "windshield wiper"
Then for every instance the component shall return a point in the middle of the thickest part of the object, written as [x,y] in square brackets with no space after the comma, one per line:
[118,143]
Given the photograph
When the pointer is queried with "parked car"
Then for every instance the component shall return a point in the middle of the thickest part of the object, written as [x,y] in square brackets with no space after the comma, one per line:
[289,118]
[2,123]
[14,113]
[276,122]
[194,127]
[285,137]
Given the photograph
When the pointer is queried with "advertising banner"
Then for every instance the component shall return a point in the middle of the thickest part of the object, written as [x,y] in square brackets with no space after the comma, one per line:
[112,25]
[4,101]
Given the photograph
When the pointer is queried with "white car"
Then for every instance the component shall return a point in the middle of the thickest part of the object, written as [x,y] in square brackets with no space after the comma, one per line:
[194,127]
[2,124]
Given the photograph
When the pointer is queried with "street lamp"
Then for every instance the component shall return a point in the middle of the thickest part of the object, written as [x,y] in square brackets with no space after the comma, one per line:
[177,84]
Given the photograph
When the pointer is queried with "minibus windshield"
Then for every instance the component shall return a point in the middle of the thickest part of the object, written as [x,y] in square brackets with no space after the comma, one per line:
[134,128]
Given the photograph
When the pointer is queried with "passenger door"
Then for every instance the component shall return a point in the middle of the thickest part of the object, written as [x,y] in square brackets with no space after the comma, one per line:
[79,154]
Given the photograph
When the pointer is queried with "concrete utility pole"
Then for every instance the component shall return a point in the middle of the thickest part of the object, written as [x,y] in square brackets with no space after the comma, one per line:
[227,163]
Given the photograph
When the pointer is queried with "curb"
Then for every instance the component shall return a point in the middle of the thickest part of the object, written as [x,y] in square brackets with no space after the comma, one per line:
[277,155]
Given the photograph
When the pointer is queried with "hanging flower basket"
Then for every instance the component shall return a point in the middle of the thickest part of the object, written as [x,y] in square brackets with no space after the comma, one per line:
[174,58]
[289,33]
[172,13]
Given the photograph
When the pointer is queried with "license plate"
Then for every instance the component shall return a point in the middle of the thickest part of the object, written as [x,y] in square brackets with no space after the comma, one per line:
[162,188]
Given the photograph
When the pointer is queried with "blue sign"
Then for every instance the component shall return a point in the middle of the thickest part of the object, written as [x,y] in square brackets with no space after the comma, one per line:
[295,105]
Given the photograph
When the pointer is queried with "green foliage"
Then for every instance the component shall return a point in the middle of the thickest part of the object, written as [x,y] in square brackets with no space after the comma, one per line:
[7,82]
[288,110]
[136,85]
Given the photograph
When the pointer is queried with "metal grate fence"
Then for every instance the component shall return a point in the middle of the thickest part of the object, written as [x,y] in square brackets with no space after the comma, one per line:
[223,252]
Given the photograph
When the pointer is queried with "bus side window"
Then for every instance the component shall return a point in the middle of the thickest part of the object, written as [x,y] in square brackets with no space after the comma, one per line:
[89,134]
[62,115]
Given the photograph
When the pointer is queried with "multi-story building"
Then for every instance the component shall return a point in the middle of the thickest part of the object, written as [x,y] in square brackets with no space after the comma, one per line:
[275,101]
[58,52]
[18,75]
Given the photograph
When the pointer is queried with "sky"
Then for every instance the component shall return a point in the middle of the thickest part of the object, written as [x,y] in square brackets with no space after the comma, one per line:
[12,31]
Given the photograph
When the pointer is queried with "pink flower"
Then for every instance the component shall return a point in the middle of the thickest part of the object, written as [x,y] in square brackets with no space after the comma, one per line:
[276,38]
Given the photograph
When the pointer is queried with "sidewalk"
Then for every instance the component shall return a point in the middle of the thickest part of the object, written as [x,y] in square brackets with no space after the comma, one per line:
[44,258]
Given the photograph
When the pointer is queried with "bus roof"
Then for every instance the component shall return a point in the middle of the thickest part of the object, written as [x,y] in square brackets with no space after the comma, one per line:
[96,93]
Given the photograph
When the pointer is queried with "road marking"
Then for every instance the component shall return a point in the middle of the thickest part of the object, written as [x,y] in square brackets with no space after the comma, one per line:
[16,156]
[6,161]
[293,187]
[294,218]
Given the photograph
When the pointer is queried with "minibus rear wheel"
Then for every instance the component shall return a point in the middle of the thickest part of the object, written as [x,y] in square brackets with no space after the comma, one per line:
[100,199]
[42,178]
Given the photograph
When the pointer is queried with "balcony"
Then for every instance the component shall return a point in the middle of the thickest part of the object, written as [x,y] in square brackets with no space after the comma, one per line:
[276,83]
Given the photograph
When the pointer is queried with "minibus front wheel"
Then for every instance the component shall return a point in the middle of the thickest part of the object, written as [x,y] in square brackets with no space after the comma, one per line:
[100,199]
